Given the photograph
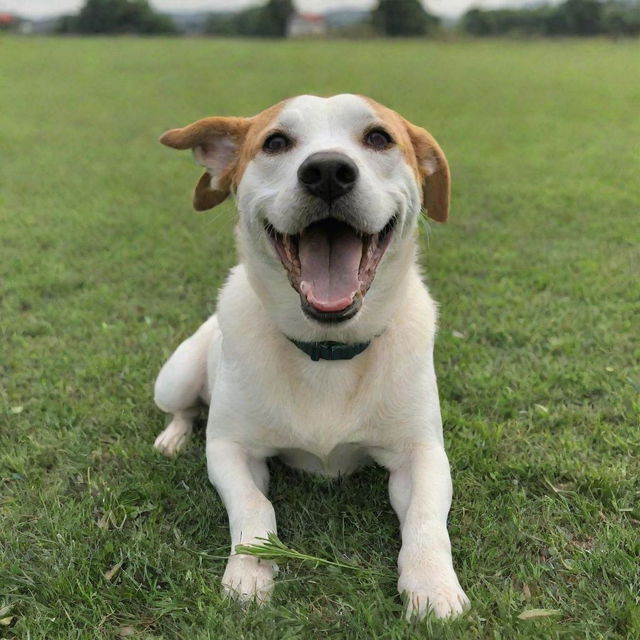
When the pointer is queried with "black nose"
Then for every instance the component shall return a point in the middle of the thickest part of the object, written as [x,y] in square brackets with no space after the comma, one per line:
[328,175]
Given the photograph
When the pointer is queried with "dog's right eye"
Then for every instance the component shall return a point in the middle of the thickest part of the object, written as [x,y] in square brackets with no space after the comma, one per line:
[276,143]
[378,139]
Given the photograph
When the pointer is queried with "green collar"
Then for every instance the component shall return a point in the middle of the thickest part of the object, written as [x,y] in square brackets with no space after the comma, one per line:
[329,350]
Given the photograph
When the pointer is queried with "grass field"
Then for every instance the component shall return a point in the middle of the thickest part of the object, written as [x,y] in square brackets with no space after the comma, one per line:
[104,268]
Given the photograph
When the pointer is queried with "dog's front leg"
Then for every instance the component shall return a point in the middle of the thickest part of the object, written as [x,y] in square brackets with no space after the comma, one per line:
[242,483]
[420,491]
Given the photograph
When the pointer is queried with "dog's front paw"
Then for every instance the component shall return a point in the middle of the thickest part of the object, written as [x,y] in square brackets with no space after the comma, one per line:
[174,437]
[247,579]
[441,594]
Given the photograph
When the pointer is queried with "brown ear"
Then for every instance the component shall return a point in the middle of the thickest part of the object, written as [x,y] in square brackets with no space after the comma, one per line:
[434,171]
[215,143]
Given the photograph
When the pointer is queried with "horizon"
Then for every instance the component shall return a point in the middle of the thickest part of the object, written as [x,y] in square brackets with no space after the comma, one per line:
[43,9]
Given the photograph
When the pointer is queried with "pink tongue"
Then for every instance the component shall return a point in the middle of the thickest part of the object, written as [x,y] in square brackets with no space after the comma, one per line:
[330,254]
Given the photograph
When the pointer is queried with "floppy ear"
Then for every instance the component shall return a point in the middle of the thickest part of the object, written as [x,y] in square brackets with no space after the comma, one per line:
[434,171]
[215,143]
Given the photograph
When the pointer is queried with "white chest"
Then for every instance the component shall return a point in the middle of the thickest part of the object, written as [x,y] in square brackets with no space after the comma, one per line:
[318,407]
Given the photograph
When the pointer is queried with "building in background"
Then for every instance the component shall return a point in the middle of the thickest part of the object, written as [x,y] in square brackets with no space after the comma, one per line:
[8,22]
[304,25]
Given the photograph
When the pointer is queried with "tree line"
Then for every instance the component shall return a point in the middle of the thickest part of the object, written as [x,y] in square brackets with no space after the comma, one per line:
[116,16]
[267,21]
[393,18]
[389,18]
[570,18]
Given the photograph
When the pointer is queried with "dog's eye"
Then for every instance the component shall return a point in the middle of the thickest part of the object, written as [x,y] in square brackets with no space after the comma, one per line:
[378,139]
[276,143]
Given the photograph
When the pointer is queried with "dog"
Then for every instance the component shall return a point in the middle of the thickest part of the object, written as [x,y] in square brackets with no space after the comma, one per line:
[321,350]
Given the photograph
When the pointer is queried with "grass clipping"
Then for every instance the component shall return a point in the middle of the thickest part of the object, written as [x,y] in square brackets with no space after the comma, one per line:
[272,548]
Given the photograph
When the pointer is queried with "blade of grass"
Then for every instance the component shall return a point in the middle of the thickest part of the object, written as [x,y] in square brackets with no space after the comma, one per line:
[272,548]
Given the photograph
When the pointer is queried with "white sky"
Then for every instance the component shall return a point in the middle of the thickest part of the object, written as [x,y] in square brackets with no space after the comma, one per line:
[41,8]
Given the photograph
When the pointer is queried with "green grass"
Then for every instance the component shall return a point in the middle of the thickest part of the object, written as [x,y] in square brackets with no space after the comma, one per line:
[104,268]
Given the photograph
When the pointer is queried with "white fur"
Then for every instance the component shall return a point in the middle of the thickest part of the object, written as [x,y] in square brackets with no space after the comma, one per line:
[268,398]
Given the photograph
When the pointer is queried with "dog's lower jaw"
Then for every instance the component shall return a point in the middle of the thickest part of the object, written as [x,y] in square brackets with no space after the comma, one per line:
[282,304]
[334,317]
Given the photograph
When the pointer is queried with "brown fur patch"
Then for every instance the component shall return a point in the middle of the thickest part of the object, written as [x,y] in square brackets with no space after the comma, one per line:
[261,124]
[246,132]
[196,133]
[421,150]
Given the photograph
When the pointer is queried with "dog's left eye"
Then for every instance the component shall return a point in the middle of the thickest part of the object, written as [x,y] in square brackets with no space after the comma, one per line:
[378,139]
[276,143]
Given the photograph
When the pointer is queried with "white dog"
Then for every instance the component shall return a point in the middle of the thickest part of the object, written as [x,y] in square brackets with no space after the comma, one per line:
[321,351]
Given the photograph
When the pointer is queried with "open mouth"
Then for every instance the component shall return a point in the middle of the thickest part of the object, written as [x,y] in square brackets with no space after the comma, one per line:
[331,265]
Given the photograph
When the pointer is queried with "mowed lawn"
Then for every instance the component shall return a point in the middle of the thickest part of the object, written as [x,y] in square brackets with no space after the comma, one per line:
[104,268]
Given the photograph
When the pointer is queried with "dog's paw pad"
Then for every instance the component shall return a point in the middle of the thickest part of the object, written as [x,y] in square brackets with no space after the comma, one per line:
[173,438]
[248,579]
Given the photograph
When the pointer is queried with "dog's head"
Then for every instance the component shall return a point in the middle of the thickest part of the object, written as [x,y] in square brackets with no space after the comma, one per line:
[328,189]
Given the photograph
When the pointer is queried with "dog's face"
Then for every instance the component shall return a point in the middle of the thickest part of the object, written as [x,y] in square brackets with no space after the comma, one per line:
[326,188]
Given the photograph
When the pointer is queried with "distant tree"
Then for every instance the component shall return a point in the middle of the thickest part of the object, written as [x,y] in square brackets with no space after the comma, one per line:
[117,16]
[582,17]
[570,18]
[556,23]
[621,18]
[67,24]
[221,24]
[477,22]
[252,23]
[277,16]
[398,18]
[265,21]
[516,22]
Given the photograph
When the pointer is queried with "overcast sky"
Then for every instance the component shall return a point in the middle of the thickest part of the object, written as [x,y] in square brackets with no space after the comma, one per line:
[39,8]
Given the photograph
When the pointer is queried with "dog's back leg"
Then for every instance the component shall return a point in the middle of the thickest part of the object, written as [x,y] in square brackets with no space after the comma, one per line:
[183,385]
